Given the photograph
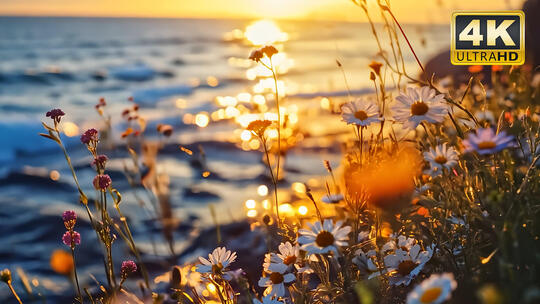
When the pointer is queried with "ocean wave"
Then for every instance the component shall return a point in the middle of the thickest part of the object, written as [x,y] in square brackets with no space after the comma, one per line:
[21,136]
[136,72]
[149,96]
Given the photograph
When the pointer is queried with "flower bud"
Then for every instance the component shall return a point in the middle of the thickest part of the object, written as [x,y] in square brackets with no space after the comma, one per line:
[5,276]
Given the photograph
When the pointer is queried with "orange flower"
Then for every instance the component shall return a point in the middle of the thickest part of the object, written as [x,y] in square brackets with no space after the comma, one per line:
[269,50]
[62,262]
[258,127]
[376,67]
[256,55]
[475,69]
[388,183]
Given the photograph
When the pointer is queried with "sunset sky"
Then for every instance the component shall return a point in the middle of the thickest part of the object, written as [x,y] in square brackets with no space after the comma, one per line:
[408,10]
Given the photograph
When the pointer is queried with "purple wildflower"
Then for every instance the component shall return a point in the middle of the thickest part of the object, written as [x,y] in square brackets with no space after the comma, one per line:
[71,238]
[485,141]
[100,161]
[55,114]
[102,182]
[70,218]
[69,215]
[89,135]
[128,267]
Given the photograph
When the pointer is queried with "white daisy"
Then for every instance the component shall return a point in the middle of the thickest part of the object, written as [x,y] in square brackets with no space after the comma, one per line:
[366,262]
[324,238]
[434,290]
[332,198]
[288,256]
[217,262]
[360,112]
[442,156]
[276,279]
[267,300]
[401,242]
[417,105]
[403,266]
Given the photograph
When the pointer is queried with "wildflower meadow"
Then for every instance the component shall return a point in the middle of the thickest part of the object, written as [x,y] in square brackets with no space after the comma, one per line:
[434,196]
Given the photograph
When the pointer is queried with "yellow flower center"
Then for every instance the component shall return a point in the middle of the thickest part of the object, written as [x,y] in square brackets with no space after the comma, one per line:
[486,145]
[430,295]
[289,260]
[362,115]
[324,239]
[419,108]
[216,268]
[276,278]
[441,160]
[405,267]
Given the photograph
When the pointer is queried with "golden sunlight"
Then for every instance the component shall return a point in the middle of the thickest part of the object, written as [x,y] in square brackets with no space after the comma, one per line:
[264,32]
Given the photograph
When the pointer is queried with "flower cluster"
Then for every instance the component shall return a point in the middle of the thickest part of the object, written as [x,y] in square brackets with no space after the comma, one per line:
[258,54]
[128,267]
[90,136]
[102,182]
[55,115]
[71,237]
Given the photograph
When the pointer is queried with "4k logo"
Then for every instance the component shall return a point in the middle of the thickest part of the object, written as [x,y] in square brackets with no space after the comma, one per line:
[488,38]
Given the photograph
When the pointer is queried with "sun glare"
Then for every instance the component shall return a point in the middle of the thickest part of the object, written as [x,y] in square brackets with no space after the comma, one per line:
[264,32]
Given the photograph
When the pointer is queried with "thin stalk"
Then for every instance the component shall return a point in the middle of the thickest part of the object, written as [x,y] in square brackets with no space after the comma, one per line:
[14,292]
[263,142]
[279,120]
[75,274]
[404,36]
[131,242]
